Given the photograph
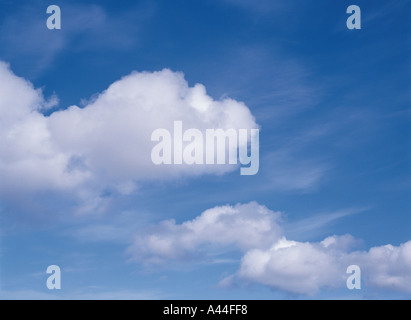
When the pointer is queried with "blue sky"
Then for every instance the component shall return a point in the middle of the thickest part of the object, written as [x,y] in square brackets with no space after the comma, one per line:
[333,108]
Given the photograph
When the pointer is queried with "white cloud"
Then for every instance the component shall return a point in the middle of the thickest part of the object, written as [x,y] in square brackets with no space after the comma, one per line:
[29,158]
[243,226]
[268,257]
[294,267]
[388,266]
[107,144]
[305,268]
[112,135]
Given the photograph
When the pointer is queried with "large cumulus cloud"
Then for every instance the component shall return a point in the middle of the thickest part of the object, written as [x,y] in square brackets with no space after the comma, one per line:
[106,144]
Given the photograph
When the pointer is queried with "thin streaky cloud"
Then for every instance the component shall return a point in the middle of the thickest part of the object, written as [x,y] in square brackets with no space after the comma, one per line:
[315,224]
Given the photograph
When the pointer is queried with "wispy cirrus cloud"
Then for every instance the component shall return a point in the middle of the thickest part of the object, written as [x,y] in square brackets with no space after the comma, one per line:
[316,223]
[277,85]
[85,27]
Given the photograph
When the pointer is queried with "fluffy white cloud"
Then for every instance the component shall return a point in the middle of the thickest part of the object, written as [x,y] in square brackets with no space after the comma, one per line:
[111,137]
[268,257]
[29,158]
[106,144]
[296,267]
[305,268]
[243,226]
[387,266]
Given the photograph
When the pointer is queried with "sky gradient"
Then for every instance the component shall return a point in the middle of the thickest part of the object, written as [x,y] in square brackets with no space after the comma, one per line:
[78,189]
